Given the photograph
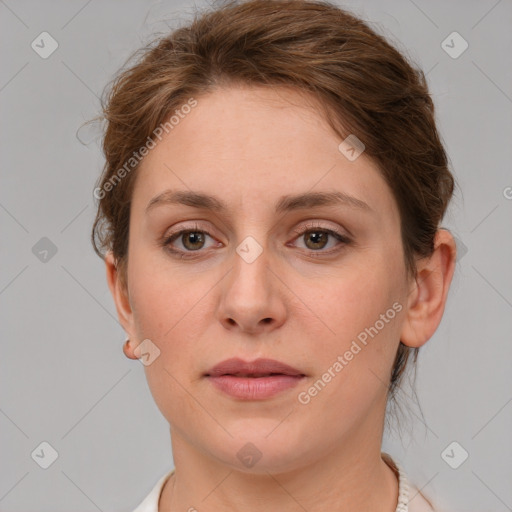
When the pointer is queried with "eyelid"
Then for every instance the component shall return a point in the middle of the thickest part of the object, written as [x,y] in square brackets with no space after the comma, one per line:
[343,238]
[297,231]
[170,237]
[193,227]
[311,225]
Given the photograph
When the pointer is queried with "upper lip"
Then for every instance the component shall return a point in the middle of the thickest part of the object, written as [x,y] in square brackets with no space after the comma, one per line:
[258,367]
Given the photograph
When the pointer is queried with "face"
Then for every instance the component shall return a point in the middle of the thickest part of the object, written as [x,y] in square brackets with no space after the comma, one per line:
[320,286]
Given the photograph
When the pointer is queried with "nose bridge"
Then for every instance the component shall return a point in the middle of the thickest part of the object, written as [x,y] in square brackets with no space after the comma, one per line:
[250,298]
[252,252]
[249,278]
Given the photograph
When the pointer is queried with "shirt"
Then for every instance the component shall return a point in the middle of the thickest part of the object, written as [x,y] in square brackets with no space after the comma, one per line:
[410,498]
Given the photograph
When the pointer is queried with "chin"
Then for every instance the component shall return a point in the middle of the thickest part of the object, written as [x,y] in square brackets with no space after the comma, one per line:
[260,447]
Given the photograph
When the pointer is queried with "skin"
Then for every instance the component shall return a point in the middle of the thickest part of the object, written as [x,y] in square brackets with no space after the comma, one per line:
[248,146]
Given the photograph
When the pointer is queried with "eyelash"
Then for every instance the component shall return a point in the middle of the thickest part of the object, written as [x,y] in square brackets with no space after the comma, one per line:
[298,232]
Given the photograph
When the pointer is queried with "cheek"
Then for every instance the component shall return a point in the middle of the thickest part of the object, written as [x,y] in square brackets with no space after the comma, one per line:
[354,300]
[362,310]
[352,368]
[167,310]
[161,299]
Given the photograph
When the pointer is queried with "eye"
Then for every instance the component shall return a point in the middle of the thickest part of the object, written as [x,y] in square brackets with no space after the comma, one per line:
[316,238]
[187,240]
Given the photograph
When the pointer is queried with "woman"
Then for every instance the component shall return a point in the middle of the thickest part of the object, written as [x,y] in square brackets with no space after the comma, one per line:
[269,215]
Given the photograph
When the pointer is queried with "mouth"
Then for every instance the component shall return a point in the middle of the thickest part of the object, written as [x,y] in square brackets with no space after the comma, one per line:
[253,369]
[257,380]
[254,375]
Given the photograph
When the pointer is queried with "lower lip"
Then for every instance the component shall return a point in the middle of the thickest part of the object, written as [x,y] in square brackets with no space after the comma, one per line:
[254,388]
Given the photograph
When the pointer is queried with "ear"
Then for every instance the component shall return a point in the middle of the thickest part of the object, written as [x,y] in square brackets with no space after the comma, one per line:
[122,302]
[427,297]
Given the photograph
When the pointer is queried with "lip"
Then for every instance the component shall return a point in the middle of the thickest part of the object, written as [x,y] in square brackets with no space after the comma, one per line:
[257,368]
[255,380]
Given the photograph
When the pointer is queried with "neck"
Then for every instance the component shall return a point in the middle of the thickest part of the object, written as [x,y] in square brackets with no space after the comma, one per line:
[352,477]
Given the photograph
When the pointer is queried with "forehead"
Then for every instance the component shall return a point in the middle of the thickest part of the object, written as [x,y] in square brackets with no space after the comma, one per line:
[251,146]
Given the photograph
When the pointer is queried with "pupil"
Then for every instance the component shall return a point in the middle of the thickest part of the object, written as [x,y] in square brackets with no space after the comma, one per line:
[194,238]
[317,237]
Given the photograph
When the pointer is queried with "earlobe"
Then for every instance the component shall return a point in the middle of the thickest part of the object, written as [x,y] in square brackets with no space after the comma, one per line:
[428,296]
[119,294]
[128,350]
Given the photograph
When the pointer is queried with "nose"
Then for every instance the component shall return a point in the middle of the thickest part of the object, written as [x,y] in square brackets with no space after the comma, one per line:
[252,296]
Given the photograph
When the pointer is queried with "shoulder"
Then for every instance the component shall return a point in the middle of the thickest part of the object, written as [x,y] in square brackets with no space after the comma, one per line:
[410,498]
[418,502]
[150,502]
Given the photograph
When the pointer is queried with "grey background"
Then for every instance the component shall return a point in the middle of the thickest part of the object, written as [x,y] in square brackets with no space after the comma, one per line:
[64,378]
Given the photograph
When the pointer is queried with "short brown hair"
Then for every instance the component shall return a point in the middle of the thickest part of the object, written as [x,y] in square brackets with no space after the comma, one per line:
[363,84]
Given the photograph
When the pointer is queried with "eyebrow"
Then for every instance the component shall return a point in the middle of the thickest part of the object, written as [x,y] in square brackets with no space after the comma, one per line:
[284,204]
